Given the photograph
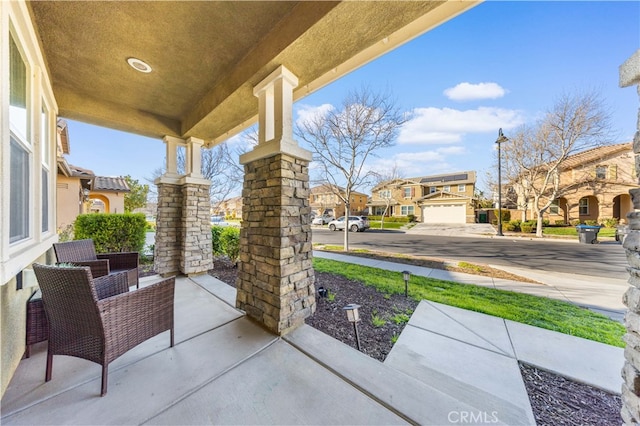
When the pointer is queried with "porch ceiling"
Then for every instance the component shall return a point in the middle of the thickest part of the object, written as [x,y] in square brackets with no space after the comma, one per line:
[207,55]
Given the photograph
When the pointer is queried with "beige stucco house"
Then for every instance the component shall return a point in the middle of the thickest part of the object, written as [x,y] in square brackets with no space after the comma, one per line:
[191,75]
[594,186]
[327,199]
[231,207]
[79,190]
[446,198]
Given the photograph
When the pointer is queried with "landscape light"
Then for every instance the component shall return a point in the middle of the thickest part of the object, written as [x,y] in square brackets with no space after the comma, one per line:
[406,275]
[354,317]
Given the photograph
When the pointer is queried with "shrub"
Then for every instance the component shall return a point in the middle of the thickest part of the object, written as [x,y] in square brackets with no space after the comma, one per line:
[230,241]
[512,226]
[527,227]
[216,245]
[575,222]
[610,222]
[411,217]
[560,222]
[506,215]
[591,222]
[112,232]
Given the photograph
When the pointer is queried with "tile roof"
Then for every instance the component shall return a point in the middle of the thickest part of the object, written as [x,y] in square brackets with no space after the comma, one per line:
[595,154]
[103,183]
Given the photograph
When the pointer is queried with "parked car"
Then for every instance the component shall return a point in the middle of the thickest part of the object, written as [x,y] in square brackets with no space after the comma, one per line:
[356,224]
[621,233]
[219,221]
[322,220]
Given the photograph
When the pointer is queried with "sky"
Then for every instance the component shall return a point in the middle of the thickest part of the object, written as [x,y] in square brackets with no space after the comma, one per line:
[498,65]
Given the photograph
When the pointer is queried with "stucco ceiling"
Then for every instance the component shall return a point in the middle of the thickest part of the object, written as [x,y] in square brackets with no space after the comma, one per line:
[207,55]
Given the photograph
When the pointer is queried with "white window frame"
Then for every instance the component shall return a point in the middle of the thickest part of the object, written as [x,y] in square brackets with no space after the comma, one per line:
[462,187]
[19,255]
[384,194]
[447,188]
[554,208]
[601,172]
[404,210]
[433,190]
[404,192]
[24,141]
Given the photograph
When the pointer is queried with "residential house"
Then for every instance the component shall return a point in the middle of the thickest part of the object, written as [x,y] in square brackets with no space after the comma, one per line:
[231,207]
[594,186]
[190,90]
[446,198]
[79,191]
[325,199]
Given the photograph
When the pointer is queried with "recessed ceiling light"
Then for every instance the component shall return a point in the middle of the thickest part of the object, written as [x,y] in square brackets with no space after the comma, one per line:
[139,65]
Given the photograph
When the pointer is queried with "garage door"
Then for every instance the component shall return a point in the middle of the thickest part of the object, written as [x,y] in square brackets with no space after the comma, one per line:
[444,213]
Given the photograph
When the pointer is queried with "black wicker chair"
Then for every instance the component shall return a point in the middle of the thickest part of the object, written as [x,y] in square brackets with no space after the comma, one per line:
[83,253]
[98,319]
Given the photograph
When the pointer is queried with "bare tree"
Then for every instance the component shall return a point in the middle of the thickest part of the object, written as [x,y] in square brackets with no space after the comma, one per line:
[220,165]
[385,178]
[342,140]
[534,156]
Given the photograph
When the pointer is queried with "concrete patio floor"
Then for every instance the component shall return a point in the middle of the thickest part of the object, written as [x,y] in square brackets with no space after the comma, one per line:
[225,369]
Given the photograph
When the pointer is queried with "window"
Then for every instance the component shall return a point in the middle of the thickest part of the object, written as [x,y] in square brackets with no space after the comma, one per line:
[601,172]
[385,193]
[20,152]
[407,192]
[406,210]
[447,188]
[462,187]
[432,189]
[584,206]
[554,208]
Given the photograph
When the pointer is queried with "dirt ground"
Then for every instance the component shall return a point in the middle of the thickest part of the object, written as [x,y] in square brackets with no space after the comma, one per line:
[555,400]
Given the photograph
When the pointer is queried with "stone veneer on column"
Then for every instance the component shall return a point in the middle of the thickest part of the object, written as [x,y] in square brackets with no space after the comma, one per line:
[196,256]
[275,284]
[168,232]
[629,76]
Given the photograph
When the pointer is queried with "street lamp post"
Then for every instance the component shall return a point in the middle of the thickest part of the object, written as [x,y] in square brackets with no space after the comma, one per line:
[501,138]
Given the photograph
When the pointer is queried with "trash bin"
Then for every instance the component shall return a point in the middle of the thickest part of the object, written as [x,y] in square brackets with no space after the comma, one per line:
[588,234]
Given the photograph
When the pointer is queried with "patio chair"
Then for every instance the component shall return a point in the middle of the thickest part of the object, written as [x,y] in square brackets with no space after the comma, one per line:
[98,319]
[83,253]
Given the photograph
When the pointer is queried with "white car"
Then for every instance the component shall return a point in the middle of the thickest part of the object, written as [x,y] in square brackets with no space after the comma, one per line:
[356,224]
[218,221]
[322,220]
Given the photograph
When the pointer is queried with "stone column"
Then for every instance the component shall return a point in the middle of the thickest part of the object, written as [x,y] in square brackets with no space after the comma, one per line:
[630,76]
[275,283]
[166,257]
[196,256]
[183,232]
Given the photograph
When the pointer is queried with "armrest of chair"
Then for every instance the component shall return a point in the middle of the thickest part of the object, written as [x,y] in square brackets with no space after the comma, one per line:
[124,260]
[138,315]
[98,267]
[111,285]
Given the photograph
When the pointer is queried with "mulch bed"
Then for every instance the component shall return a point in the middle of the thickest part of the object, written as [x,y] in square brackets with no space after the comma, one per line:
[555,400]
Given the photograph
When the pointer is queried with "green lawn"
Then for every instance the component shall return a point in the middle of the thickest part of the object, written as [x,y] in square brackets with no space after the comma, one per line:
[375,224]
[571,231]
[537,311]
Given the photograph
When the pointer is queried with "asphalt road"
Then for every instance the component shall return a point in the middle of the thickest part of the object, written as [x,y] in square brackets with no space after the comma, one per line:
[606,259]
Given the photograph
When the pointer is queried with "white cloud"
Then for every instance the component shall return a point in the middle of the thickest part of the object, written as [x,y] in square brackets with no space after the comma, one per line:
[421,163]
[432,126]
[308,112]
[470,92]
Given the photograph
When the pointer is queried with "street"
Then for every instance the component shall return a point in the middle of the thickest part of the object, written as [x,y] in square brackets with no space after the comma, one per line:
[604,260]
